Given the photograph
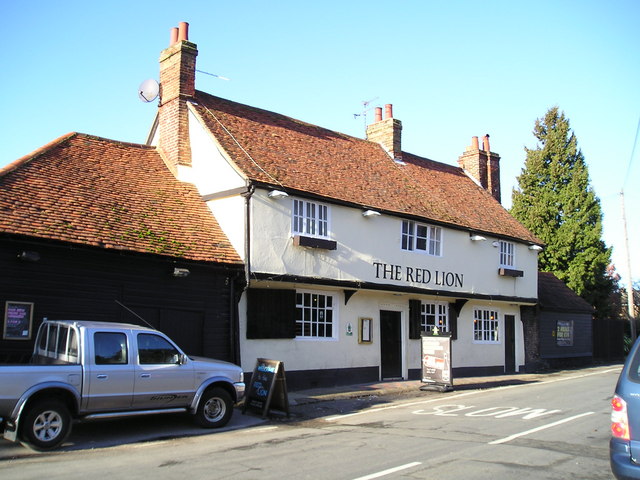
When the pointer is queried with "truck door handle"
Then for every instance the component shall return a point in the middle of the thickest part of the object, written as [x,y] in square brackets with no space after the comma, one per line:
[102,376]
[145,375]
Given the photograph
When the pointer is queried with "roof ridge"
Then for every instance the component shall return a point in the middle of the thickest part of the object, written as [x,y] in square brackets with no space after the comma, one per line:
[36,153]
[282,115]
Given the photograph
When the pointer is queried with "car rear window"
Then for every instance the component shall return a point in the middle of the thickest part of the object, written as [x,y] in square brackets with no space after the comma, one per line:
[634,366]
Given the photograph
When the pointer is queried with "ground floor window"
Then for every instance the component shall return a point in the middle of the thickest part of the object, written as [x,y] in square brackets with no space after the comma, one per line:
[433,315]
[486,326]
[315,315]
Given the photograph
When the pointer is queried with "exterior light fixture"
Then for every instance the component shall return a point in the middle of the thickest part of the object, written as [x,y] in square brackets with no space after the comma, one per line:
[477,238]
[496,244]
[276,194]
[29,256]
[535,248]
[181,272]
[370,213]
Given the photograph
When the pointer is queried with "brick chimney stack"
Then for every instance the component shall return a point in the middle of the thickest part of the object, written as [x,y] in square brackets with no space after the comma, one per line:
[177,86]
[483,165]
[387,132]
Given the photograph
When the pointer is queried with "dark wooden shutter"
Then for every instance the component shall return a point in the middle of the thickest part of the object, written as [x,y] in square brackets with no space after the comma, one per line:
[454,312]
[271,313]
[415,314]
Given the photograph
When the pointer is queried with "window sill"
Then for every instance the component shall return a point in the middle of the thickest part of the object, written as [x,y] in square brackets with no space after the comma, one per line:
[312,242]
[510,272]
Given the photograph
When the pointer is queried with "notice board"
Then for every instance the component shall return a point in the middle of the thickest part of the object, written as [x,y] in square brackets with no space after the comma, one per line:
[436,361]
[18,318]
[268,388]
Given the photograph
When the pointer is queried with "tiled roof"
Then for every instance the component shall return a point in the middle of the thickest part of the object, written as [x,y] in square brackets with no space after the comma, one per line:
[93,191]
[289,154]
[554,295]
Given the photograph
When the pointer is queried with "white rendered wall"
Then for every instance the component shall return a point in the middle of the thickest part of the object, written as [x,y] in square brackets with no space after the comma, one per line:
[344,351]
[369,251]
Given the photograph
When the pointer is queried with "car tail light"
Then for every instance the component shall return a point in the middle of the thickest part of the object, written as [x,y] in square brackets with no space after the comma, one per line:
[619,418]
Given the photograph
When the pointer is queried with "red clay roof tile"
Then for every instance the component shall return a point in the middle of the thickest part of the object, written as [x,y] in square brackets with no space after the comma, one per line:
[93,191]
[289,154]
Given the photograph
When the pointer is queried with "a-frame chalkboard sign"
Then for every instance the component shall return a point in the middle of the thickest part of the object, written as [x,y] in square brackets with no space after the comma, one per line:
[268,388]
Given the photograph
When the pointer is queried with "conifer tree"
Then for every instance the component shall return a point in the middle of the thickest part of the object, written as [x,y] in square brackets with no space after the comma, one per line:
[556,202]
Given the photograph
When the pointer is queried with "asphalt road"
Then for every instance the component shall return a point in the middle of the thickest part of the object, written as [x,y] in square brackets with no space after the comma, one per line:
[555,428]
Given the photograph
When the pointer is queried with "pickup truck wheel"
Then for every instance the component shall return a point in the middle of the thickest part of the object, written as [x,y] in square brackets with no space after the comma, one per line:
[215,408]
[46,425]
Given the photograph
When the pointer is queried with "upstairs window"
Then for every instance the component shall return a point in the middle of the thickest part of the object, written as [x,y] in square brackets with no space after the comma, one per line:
[507,254]
[310,218]
[422,238]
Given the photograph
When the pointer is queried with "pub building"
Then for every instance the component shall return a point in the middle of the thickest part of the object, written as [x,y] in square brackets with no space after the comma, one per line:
[352,247]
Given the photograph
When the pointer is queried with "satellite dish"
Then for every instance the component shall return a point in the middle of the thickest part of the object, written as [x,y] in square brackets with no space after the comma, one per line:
[148,90]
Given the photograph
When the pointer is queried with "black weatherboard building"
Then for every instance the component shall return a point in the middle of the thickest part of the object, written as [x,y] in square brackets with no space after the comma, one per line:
[565,323]
[87,222]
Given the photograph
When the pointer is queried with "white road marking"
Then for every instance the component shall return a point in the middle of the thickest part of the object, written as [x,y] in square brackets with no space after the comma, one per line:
[537,429]
[261,429]
[465,394]
[389,471]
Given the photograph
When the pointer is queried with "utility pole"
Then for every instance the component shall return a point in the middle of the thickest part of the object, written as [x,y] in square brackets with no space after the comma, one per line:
[630,302]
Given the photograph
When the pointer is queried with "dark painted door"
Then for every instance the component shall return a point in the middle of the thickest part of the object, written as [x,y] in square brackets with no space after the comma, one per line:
[390,344]
[509,344]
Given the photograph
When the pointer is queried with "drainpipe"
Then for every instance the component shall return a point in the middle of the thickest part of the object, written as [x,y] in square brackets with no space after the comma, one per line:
[247,231]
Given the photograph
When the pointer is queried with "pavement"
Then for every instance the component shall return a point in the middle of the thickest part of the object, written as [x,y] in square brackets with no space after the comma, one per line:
[401,387]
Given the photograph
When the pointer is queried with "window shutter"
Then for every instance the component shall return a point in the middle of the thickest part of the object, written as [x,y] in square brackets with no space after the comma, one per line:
[453,320]
[271,313]
[415,307]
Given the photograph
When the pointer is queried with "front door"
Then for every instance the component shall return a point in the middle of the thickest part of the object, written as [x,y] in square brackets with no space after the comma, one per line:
[509,344]
[390,344]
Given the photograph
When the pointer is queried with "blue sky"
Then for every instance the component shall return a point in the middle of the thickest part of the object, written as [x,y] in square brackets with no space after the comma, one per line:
[452,70]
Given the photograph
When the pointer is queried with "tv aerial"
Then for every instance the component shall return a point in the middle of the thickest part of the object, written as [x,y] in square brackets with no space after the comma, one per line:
[148,90]
[365,109]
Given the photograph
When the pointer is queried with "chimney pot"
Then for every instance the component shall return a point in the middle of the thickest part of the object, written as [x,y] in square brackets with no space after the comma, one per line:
[474,143]
[388,111]
[378,117]
[485,142]
[174,36]
[183,31]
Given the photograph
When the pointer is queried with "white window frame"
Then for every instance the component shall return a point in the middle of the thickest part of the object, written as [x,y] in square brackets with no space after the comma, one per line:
[439,311]
[421,238]
[486,326]
[319,311]
[311,219]
[507,254]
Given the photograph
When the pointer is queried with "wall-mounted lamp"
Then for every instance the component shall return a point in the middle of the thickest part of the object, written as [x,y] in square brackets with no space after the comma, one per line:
[181,272]
[477,238]
[535,248]
[29,256]
[276,194]
[496,244]
[370,213]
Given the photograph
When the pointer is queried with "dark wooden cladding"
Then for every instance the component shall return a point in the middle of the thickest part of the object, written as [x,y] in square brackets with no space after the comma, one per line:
[198,311]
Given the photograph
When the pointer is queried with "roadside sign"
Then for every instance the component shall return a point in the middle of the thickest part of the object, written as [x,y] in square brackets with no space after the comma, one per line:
[436,362]
[267,389]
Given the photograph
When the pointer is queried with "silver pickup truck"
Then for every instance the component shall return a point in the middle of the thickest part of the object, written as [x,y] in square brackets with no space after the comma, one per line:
[82,370]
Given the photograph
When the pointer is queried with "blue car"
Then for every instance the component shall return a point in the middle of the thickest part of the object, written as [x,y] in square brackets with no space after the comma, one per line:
[624,446]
